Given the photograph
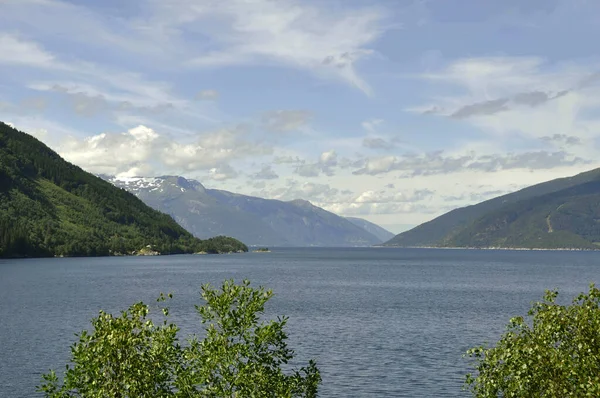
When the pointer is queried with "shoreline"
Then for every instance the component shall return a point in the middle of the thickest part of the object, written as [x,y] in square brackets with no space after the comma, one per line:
[489,248]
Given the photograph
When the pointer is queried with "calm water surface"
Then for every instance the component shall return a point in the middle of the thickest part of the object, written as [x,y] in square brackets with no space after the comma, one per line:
[379,322]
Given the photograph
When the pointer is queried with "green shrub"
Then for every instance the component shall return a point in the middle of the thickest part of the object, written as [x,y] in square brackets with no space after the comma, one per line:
[240,356]
[555,354]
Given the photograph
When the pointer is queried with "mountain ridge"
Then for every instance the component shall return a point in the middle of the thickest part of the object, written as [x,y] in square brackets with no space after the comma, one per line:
[256,221]
[522,218]
[381,233]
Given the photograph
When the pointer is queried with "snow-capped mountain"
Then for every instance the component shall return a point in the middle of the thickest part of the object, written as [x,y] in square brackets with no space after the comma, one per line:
[255,221]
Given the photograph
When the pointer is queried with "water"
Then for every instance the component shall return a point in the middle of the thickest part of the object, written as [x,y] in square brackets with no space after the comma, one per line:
[379,322]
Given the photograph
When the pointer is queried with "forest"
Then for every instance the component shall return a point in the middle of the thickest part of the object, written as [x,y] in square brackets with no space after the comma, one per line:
[50,207]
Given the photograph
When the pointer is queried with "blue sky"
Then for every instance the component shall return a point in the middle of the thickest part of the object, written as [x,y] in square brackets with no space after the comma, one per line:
[395,111]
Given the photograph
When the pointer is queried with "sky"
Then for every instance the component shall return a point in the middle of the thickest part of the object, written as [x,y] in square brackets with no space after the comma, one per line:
[395,111]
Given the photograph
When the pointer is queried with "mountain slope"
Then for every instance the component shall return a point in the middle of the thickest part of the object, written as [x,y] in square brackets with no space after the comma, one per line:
[50,207]
[569,218]
[381,233]
[439,231]
[256,221]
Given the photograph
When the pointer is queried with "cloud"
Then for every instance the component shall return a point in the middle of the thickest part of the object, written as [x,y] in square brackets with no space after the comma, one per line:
[381,202]
[257,184]
[326,164]
[127,153]
[562,139]
[589,80]
[437,163]
[143,151]
[500,84]
[532,98]
[481,108]
[213,148]
[326,41]
[508,72]
[222,173]
[284,121]
[208,95]
[310,191]
[308,170]
[328,159]
[384,197]
[265,173]
[287,160]
[75,24]
[287,32]
[88,100]
[491,107]
[377,143]
[371,125]
[18,51]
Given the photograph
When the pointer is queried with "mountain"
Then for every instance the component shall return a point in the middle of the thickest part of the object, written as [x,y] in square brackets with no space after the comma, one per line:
[49,207]
[381,233]
[562,213]
[256,221]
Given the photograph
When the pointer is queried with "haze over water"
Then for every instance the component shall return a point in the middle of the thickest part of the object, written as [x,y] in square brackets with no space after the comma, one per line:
[379,322]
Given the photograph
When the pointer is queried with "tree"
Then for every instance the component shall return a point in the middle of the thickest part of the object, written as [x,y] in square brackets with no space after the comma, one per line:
[240,355]
[556,354]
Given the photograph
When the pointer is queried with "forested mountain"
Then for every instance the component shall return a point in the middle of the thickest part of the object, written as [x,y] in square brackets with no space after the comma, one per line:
[562,213]
[256,221]
[49,207]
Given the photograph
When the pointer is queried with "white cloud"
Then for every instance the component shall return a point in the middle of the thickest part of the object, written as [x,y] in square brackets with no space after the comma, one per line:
[222,173]
[141,150]
[19,51]
[381,202]
[213,148]
[285,32]
[127,153]
[328,159]
[327,162]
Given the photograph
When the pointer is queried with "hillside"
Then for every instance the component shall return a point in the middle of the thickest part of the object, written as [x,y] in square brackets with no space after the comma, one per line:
[49,207]
[562,213]
[381,233]
[256,221]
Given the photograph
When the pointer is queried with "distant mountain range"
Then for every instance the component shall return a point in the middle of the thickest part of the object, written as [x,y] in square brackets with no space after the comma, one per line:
[381,233]
[50,207]
[255,221]
[562,213]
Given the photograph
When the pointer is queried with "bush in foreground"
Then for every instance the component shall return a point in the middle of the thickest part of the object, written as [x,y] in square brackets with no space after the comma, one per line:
[240,356]
[556,354]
